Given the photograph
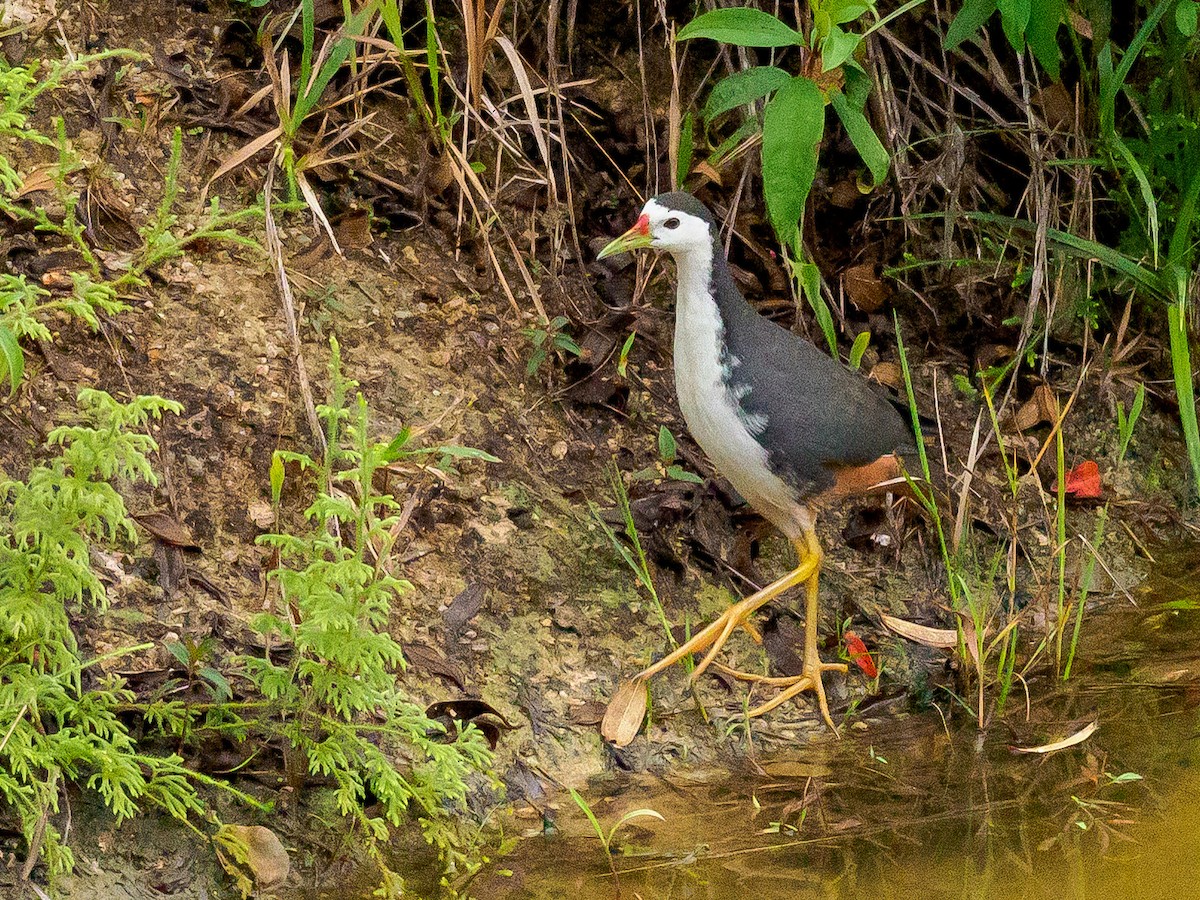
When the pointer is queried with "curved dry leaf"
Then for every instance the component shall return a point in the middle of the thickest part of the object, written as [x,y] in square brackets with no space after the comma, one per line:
[1041,407]
[625,714]
[944,638]
[167,529]
[1077,738]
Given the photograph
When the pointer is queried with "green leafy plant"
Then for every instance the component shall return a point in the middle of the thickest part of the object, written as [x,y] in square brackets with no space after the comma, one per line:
[25,308]
[438,124]
[1032,23]
[549,337]
[793,118]
[1157,181]
[329,673]
[668,451]
[1127,422]
[297,104]
[60,722]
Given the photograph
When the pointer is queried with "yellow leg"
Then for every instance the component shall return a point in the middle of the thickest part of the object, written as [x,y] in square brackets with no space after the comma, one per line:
[810,679]
[713,637]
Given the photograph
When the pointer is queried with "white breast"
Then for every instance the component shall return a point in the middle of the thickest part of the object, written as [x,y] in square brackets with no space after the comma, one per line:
[713,416]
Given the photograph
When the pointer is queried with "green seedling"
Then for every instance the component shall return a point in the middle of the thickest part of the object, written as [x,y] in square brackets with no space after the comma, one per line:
[1126,423]
[549,337]
[667,452]
[606,837]
[332,694]
[861,342]
[635,559]
[623,358]
[58,724]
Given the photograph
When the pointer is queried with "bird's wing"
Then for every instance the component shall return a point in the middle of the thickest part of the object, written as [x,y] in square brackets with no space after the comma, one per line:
[819,415]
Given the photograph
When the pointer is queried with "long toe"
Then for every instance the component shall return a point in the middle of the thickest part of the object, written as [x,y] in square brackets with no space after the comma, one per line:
[811,680]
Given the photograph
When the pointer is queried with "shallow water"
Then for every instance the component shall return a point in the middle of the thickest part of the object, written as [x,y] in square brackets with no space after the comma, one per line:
[911,808]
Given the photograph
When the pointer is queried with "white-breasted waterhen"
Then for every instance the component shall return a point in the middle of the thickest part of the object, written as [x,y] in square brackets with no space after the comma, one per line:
[790,427]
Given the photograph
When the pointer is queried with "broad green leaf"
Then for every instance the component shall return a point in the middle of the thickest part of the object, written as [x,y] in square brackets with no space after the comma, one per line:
[858,86]
[679,473]
[180,652]
[863,136]
[822,23]
[396,448]
[1187,14]
[218,681]
[666,444]
[12,359]
[969,20]
[744,27]
[792,129]
[843,12]
[743,87]
[1042,34]
[838,47]
[1014,18]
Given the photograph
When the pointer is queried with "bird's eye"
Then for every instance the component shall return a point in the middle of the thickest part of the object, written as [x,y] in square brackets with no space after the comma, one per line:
[671,223]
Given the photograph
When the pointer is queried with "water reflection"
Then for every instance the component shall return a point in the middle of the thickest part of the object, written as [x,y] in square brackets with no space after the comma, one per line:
[932,813]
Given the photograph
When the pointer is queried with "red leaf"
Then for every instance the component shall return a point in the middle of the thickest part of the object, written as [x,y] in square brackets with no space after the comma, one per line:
[857,651]
[1083,481]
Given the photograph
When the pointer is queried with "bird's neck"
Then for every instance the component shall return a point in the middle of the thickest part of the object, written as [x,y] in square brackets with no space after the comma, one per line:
[705,287]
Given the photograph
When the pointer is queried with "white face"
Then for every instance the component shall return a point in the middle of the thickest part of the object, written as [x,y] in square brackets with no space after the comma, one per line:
[676,231]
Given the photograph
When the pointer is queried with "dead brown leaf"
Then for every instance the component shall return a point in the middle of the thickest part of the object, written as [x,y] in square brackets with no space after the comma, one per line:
[266,856]
[625,714]
[864,287]
[427,659]
[889,374]
[1041,407]
[167,529]
[944,638]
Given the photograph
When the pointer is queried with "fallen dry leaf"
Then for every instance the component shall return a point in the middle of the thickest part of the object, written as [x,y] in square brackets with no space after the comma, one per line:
[625,714]
[1041,407]
[1077,738]
[888,373]
[267,858]
[427,659]
[945,638]
[864,288]
[167,529]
